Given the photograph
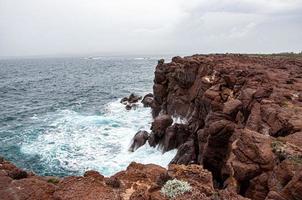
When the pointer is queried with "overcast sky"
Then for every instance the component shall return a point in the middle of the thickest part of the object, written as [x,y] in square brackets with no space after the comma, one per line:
[97,27]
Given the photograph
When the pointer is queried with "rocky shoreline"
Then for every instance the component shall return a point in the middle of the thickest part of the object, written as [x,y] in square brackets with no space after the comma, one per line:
[240,136]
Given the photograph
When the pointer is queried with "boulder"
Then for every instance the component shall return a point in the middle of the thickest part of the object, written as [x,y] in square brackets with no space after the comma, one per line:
[251,155]
[198,177]
[94,174]
[160,124]
[174,136]
[139,139]
[148,100]
[134,98]
[130,101]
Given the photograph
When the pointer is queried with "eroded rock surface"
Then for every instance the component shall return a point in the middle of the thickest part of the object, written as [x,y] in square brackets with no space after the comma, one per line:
[137,182]
[243,119]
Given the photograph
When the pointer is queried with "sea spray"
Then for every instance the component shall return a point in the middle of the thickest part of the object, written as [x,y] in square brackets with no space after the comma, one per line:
[76,143]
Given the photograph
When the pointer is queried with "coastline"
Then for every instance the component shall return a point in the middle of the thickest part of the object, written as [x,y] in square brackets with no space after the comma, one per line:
[240,137]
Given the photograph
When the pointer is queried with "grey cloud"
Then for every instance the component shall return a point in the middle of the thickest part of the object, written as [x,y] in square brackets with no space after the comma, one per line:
[69,27]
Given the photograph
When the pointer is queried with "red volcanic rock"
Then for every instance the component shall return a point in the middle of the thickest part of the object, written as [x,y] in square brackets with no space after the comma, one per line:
[228,195]
[161,123]
[130,101]
[174,136]
[251,155]
[148,100]
[28,188]
[94,174]
[113,182]
[139,139]
[17,174]
[84,188]
[234,106]
[199,178]
[186,153]
[159,126]
[240,136]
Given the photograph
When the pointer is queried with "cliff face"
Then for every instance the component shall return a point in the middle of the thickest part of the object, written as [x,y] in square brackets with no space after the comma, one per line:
[242,120]
[240,136]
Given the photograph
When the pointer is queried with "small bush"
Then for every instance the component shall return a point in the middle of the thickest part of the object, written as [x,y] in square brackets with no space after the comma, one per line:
[174,188]
[215,195]
[53,181]
[279,149]
[297,159]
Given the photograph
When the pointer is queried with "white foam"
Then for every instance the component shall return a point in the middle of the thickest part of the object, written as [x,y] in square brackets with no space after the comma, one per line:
[79,143]
[179,120]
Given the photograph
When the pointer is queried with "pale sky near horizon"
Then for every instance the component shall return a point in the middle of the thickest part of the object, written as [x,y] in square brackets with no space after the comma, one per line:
[112,27]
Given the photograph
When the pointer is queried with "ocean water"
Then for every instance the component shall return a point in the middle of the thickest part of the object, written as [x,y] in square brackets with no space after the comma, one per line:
[62,116]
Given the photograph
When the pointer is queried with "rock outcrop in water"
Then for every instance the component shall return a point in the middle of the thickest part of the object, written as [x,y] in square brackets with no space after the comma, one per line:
[139,139]
[131,101]
[241,136]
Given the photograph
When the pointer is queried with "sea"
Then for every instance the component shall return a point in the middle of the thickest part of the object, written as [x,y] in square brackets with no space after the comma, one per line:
[63,116]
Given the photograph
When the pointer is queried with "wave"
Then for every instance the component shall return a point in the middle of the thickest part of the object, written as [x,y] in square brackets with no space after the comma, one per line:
[75,143]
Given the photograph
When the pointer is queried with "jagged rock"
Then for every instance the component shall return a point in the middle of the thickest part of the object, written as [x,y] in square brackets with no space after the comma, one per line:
[124,100]
[134,98]
[160,124]
[162,179]
[251,155]
[94,174]
[258,187]
[242,122]
[232,106]
[148,100]
[139,173]
[228,195]
[139,139]
[113,182]
[217,147]
[174,136]
[186,154]
[159,92]
[27,188]
[85,188]
[17,174]
[130,101]
[153,139]
[198,177]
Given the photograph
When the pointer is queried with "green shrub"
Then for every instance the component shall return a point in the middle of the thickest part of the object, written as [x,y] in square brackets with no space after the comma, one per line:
[297,159]
[278,148]
[53,181]
[282,151]
[174,188]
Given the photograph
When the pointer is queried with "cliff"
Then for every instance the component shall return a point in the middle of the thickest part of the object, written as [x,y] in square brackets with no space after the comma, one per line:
[242,120]
[236,121]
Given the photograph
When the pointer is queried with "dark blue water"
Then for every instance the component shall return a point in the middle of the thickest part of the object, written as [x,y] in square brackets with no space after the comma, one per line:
[62,116]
